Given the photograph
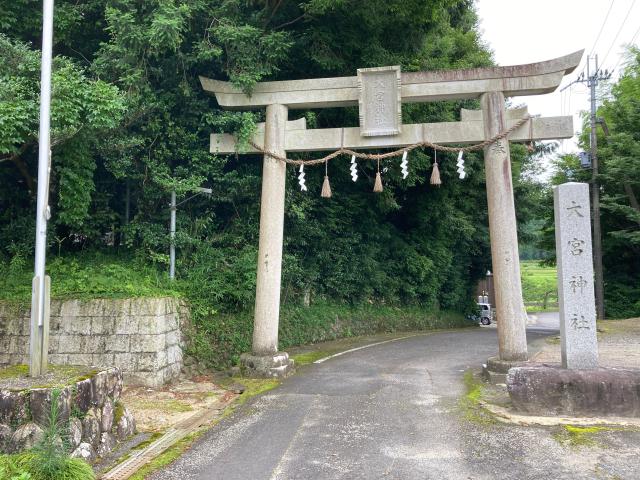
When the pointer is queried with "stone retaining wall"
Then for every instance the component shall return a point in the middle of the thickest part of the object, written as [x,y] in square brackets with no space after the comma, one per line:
[140,336]
[90,407]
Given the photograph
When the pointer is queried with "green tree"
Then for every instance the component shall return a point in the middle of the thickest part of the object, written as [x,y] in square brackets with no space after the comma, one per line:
[619,179]
[411,244]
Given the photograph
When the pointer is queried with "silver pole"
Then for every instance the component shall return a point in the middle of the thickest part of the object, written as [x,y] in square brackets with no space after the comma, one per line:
[172,246]
[43,186]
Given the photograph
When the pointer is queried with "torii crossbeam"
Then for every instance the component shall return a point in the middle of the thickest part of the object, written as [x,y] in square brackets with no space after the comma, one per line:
[379,93]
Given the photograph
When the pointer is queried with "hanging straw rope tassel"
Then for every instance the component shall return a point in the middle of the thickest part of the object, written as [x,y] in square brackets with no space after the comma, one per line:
[435,174]
[377,186]
[326,187]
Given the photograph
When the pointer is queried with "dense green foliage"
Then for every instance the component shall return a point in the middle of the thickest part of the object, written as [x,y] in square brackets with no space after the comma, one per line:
[620,186]
[87,275]
[131,123]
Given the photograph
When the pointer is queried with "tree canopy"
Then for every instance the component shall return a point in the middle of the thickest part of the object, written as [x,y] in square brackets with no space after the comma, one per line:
[131,123]
[619,180]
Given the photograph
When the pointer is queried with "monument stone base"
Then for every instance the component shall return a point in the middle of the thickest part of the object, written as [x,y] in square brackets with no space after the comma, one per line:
[276,365]
[495,370]
[551,390]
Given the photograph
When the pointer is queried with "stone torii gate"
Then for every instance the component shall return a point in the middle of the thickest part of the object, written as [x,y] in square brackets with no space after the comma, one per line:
[379,93]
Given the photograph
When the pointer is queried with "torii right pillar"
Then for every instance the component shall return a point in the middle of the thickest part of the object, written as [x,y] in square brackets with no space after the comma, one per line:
[511,325]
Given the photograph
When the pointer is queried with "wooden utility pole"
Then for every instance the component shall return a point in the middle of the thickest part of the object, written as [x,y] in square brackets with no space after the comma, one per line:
[591,81]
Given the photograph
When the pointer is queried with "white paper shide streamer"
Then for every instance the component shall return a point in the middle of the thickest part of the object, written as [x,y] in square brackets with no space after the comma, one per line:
[460,165]
[301,181]
[354,169]
[404,165]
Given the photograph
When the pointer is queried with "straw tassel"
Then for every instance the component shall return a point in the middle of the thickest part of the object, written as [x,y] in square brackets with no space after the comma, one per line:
[435,174]
[377,186]
[326,187]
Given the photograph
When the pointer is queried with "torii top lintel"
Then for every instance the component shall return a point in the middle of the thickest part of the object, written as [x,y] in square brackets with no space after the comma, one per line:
[515,80]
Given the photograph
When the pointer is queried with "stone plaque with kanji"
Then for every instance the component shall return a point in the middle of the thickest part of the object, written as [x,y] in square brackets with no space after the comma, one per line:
[380,101]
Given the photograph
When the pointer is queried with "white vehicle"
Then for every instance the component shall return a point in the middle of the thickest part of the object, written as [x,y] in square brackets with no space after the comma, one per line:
[486,314]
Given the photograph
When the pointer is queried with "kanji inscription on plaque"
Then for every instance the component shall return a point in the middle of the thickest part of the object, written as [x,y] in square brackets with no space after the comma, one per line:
[380,101]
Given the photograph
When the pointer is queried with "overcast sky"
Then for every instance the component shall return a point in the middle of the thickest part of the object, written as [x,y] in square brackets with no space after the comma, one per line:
[525,31]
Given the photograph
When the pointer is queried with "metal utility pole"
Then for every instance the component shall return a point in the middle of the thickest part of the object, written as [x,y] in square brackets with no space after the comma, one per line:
[172,227]
[172,237]
[39,339]
[592,79]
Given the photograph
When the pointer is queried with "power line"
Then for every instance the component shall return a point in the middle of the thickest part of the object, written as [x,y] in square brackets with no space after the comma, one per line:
[602,27]
[619,30]
[633,39]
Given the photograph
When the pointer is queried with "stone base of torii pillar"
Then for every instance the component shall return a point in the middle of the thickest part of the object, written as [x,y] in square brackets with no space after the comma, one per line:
[277,365]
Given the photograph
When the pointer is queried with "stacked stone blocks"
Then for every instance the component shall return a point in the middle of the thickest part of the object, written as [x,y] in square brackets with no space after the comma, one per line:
[90,407]
[142,337]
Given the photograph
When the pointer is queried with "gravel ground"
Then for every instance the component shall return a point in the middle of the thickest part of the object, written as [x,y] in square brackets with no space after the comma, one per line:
[393,411]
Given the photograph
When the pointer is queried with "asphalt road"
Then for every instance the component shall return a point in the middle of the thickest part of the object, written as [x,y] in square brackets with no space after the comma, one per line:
[391,412]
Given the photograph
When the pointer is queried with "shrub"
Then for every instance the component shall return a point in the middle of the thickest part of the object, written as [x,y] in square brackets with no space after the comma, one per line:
[48,460]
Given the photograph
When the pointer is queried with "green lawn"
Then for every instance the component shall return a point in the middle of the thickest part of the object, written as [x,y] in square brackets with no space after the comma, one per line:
[538,281]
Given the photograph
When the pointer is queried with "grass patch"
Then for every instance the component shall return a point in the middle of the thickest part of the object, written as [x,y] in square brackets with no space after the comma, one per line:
[152,438]
[538,283]
[578,436]
[14,371]
[168,456]
[174,406]
[253,387]
[553,340]
[469,405]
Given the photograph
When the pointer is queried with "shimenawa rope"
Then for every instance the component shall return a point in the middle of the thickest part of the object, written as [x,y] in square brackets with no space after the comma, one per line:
[395,153]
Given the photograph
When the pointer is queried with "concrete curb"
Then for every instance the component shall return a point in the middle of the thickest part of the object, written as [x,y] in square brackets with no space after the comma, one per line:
[503,415]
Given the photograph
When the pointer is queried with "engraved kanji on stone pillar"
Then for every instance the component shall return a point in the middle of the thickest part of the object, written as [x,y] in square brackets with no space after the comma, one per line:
[575,276]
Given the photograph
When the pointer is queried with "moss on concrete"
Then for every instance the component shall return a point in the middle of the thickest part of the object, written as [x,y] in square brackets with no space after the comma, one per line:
[578,436]
[470,405]
[306,358]
[16,377]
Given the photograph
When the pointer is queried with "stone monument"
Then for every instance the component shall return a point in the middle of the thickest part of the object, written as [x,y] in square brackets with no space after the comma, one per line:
[575,276]
[577,386]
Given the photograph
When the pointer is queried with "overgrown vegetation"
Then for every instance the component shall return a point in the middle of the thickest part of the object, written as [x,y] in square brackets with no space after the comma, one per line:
[90,274]
[48,460]
[220,343]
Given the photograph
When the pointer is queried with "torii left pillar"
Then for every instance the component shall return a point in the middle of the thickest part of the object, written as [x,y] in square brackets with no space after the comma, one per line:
[264,359]
[512,335]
